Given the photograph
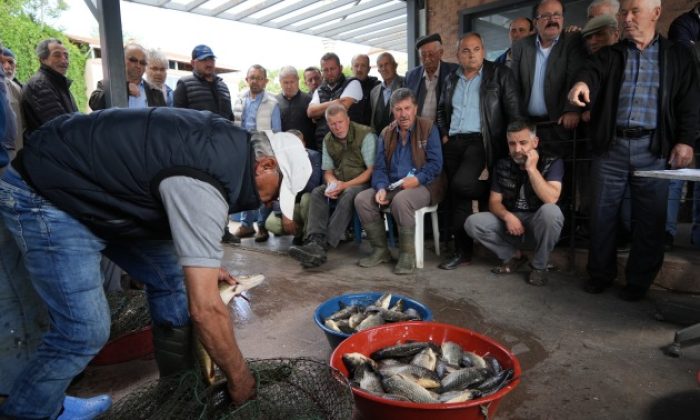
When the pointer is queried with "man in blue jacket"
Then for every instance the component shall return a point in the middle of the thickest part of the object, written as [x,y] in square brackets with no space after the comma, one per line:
[151,196]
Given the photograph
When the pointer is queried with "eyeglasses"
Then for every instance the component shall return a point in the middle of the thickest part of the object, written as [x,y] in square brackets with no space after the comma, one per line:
[136,60]
[549,16]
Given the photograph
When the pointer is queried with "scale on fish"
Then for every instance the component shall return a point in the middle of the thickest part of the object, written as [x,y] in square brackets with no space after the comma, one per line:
[352,318]
[227,293]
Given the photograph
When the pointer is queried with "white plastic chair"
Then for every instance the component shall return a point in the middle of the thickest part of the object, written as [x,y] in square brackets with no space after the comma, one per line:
[420,228]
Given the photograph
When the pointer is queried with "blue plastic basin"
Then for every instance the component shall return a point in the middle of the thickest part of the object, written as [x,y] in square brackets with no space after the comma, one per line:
[332,305]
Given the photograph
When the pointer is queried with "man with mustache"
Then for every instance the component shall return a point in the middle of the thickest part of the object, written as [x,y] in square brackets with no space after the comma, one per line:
[544,65]
[46,95]
[408,151]
[522,206]
[642,118]
[477,103]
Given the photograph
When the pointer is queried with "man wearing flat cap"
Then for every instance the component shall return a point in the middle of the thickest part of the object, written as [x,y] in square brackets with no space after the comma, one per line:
[76,191]
[600,32]
[203,90]
[426,80]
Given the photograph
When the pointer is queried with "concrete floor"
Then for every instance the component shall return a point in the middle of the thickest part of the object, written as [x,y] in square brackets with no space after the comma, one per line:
[582,356]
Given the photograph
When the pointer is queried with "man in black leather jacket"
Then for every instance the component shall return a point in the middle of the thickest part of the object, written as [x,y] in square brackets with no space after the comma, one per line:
[472,126]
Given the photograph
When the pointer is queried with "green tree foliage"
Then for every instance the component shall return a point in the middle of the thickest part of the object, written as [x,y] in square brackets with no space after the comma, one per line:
[21,32]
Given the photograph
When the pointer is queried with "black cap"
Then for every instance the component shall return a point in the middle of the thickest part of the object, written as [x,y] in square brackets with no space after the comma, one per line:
[428,38]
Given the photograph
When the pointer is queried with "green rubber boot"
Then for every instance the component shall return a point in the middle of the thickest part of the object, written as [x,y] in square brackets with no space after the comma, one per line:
[407,251]
[173,349]
[377,238]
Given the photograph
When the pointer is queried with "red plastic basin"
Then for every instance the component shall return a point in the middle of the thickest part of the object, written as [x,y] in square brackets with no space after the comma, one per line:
[374,407]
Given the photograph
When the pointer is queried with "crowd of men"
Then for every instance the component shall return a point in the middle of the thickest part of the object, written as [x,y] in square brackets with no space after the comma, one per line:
[495,137]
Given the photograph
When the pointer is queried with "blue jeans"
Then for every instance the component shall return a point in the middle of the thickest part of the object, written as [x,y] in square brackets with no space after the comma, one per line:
[675,192]
[611,175]
[63,257]
[260,215]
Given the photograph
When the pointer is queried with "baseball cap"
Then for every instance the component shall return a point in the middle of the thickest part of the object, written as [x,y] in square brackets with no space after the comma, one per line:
[202,52]
[597,23]
[294,165]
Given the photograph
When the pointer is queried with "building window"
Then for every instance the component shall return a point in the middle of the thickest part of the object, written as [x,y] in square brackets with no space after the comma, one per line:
[491,21]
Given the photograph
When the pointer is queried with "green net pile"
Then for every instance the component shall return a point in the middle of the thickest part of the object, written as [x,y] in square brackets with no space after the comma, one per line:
[129,312]
[287,389]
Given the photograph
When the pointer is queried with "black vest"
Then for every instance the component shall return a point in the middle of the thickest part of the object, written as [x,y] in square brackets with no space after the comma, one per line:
[104,168]
[511,177]
[361,112]
[382,113]
[293,114]
[203,95]
[326,94]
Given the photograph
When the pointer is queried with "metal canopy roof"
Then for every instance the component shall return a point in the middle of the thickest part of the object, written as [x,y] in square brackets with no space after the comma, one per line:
[377,23]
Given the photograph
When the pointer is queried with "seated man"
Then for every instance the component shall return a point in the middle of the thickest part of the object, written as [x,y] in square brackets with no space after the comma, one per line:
[280,225]
[408,154]
[522,206]
[347,160]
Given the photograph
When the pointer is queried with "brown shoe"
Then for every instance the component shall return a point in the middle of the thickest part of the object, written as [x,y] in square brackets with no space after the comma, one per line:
[244,231]
[262,235]
[510,266]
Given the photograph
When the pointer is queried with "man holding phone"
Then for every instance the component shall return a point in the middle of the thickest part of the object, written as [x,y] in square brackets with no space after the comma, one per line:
[406,178]
[522,206]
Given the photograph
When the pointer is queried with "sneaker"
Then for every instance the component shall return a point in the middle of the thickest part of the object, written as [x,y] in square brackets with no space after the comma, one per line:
[84,408]
[244,232]
[229,238]
[537,277]
[262,235]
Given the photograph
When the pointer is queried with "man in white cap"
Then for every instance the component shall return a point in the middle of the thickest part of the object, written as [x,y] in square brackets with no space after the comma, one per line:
[150,194]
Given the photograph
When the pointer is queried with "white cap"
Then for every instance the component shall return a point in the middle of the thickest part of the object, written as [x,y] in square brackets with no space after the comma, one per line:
[294,165]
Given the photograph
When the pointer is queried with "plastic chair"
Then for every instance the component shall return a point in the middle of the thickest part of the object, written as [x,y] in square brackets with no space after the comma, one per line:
[420,228]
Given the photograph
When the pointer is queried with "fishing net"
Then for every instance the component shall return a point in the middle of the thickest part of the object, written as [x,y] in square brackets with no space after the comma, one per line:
[129,312]
[287,389]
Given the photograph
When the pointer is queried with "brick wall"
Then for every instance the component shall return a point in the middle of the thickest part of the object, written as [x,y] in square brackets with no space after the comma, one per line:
[443,17]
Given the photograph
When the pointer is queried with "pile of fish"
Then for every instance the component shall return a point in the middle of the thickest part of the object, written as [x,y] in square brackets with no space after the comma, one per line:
[350,319]
[423,372]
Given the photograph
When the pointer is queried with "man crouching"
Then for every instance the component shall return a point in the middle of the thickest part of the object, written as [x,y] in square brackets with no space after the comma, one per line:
[522,206]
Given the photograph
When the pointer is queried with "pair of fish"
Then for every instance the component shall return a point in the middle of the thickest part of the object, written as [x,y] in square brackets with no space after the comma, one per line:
[423,372]
[350,319]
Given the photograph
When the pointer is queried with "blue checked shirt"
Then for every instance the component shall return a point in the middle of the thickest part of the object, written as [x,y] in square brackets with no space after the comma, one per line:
[638,104]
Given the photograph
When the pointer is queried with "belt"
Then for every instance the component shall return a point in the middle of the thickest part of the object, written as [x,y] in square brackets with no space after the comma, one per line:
[632,132]
[466,136]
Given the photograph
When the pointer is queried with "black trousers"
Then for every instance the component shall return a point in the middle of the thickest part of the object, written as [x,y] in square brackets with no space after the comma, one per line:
[464,159]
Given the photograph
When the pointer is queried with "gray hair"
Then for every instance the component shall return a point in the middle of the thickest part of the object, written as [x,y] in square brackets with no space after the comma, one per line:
[288,71]
[259,68]
[356,56]
[157,56]
[470,35]
[331,56]
[520,125]
[42,48]
[135,46]
[335,109]
[387,55]
[614,5]
[261,145]
[402,94]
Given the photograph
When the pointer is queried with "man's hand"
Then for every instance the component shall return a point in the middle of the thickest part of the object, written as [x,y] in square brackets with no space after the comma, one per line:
[586,116]
[445,139]
[572,28]
[339,187]
[531,160]
[681,156]
[288,225]
[225,276]
[241,387]
[380,197]
[134,89]
[579,95]
[513,225]
[410,182]
[569,120]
